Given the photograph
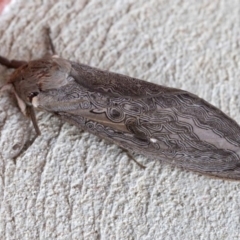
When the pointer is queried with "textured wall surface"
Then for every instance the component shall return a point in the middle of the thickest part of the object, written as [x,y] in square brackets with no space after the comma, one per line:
[68,184]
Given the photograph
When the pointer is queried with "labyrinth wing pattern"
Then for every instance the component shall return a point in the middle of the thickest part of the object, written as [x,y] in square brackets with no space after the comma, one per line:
[156,121]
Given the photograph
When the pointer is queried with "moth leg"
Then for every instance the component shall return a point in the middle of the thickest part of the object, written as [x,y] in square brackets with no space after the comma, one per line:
[32,115]
[6,87]
[132,158]
[11,63]
[50,42]
[26,110]
[21,103]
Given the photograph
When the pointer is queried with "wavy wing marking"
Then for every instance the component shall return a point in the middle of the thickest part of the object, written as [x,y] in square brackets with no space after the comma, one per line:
[153,120]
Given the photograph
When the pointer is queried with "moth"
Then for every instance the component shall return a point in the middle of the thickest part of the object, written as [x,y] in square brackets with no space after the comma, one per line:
[159,122]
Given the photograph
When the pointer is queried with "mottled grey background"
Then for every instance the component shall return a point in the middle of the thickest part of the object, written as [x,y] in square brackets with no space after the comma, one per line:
[69,184]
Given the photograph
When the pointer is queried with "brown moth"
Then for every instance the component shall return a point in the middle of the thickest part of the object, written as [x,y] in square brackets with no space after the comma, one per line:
[156,121]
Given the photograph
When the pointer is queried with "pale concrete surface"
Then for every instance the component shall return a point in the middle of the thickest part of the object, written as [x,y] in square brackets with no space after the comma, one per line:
[69,184]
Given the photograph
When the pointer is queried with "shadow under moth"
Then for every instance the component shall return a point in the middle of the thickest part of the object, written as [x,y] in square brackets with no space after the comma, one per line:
[157,121]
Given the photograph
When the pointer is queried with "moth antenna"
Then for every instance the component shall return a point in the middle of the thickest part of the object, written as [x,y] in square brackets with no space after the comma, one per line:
[11,63]
[50,42]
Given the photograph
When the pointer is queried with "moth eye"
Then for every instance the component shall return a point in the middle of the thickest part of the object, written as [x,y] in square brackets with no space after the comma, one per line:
[32,95]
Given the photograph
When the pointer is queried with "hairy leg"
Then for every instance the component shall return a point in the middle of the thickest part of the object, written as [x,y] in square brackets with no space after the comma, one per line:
[11,63]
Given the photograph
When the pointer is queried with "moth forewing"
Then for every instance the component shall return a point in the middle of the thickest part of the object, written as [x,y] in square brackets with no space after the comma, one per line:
[153,120]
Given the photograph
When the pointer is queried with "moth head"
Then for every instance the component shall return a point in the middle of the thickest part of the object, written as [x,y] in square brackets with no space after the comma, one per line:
[35,77]
[24,84]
